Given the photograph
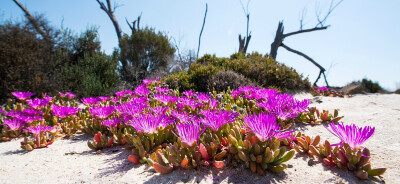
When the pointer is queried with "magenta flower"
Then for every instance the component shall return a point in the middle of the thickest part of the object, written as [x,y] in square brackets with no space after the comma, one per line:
[215,119]
[141,90]
[183,117]
[70,95]
[48,98]
[27,115]
[30,119]
[22,95]
[213,103]
[165,99]
[133,107]
[162,90]
[149,123]
[13,113]
[203,97]
[104,98]
[187,102]
[264,126]
[90,100]
[102,112]
[14,124]
[323,89]
[36,130]
[159,110]
[64,111]
[351,134]
[149,81]
[120,94]
[189,132]
[31,112]
[284,106]
[111,123]
[36,103]
[128,92]
[189,93]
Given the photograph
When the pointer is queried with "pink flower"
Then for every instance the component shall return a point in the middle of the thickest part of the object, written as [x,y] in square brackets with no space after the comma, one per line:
[36,103]
[189,132]
[14,124]
[102,112]
[64,111]
[351,134]
[22,95]
[214,119]
[36,130]
[264,126]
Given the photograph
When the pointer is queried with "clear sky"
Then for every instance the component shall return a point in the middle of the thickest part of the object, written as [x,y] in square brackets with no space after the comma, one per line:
[363,40]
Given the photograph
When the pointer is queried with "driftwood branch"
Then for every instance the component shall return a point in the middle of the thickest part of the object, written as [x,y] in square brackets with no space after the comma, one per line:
[33,21]
[201,32]
[109,10]
[321,69]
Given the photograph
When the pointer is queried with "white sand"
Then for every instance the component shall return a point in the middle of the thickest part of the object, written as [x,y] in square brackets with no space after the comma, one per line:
[52,165]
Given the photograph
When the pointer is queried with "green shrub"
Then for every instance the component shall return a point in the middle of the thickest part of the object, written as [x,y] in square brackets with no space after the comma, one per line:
[91,76]
[261,70]
[25,60]
[143,54]
[85,69]
[373,87]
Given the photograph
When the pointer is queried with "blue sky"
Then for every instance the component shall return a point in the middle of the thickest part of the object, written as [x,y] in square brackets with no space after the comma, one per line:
[363,40]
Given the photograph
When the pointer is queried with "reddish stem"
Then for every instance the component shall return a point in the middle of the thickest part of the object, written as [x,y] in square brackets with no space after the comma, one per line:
[38,141]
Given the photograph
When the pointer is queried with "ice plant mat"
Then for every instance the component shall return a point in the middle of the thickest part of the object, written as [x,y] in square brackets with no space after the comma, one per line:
[71,161]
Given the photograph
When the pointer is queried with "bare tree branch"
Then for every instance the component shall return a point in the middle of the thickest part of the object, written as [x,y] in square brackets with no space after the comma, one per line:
[135,24]
[33,21]
[332,7]
[304,31]
[321,69]
[302,54]
[110,12]
[303,14]
[201,32]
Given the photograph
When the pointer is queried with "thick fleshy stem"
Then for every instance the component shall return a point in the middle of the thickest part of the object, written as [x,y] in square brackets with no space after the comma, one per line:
[37,140]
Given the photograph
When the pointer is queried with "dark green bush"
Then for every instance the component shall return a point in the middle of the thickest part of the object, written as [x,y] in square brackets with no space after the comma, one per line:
[373,87]
[66,62]
[261,70]
[25,60]
[86,70]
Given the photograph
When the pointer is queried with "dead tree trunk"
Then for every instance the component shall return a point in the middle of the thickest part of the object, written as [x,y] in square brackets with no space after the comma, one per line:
[244,42]
[109,10]
[34,22]
[280,36]
[277,41]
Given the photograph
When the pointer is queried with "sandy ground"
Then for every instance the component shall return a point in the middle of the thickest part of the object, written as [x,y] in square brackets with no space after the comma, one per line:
[71,161]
